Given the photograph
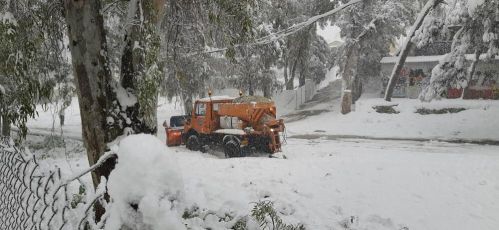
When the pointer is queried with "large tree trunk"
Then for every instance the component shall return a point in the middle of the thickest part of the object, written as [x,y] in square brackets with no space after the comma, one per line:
[5,126]
[97,92]
[188,105]
[267,86]
[251,88]
[471,71]
[290,85]
[92,76]
[140,67]
[286,78]
[303,76]
[407,47]
[348,77]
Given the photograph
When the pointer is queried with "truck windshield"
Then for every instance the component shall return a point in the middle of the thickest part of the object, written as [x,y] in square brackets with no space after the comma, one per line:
[200,109]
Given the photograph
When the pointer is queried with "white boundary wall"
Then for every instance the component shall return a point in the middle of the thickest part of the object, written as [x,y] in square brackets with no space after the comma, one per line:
[290,100]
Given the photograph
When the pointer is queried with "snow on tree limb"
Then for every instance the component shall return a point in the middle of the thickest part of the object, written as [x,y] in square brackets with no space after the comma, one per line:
[407,46]
[282,33]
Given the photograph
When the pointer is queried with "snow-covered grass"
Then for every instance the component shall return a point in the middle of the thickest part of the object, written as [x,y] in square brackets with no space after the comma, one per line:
[478,122]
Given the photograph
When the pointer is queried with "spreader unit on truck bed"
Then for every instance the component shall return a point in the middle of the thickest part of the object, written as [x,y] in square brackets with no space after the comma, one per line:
[237,124]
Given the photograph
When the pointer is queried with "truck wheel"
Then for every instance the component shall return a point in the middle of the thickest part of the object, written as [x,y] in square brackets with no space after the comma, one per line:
[193,143]
[232,149]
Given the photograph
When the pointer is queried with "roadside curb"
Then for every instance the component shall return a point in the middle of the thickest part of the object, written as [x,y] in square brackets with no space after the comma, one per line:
[339,137]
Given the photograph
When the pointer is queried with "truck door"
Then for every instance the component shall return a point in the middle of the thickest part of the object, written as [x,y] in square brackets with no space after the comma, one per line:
[201,123]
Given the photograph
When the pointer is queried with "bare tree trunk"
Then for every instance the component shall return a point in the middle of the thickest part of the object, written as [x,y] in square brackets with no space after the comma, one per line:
[267,86]
[251,90]
[188,105]
[95,87]
[471,71]
[407,47]
[5,126]
[139,67]
[286,78]
[290,85]
[1,111]
[266,91]
[87,43]
[302,77]
[92,76]
[346,102]
[356,89]
[349,75]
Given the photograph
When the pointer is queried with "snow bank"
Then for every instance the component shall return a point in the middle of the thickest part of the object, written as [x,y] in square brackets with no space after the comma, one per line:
[478,122]
[146,176]
[332,75]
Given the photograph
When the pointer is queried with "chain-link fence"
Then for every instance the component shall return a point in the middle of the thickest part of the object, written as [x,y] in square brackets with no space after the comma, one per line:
[33,197]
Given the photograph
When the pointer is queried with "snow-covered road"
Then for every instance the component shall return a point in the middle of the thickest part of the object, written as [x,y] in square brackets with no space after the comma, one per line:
[382,184]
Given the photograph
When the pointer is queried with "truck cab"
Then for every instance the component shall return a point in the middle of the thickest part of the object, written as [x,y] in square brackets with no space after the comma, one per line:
[205,118]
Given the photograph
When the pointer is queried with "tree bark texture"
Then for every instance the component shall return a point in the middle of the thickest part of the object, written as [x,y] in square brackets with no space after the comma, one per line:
[290,85]
[141,72]
[349,76]
[471,71]
[5,126]
[92,76]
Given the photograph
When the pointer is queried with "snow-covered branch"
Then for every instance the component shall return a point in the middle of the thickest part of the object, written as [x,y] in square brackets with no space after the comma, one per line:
[407,46]
[282,33]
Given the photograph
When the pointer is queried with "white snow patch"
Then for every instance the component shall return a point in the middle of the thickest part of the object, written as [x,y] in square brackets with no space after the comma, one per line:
[435,58]
[331,75]
[231,131]
[125,98]
[216,98]
[8,17]
[147,175]
[365,121]
[473,4]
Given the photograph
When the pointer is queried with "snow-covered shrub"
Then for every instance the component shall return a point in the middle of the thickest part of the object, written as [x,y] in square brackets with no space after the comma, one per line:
[386,109]
[145,187]
[425,111]
[266,216]
[196,217]
[78,198]
[48,142]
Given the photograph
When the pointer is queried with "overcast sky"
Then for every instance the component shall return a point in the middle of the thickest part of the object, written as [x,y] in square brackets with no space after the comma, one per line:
[330,33]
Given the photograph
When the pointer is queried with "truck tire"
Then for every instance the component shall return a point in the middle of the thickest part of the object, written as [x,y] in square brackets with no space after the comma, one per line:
[193,143]
[232,149]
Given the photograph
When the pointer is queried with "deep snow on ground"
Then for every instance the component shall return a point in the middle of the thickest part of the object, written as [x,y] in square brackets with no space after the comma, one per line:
[326,183]
[383,184]
[478,122]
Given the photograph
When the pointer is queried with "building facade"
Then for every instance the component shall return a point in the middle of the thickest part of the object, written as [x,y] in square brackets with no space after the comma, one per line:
[416,75]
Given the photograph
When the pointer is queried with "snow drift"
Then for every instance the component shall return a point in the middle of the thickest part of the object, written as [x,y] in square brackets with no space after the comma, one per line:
[145,186]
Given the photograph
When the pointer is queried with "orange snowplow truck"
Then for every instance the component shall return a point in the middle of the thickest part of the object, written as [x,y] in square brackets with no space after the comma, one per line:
[237,124]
